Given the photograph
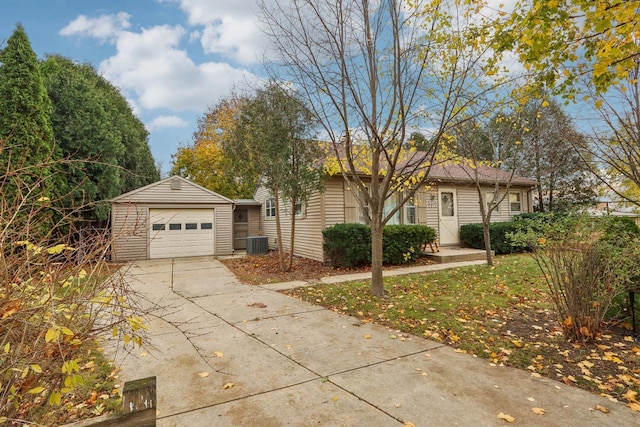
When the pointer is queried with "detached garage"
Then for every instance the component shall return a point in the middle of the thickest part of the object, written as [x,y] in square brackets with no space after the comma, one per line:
[171,218]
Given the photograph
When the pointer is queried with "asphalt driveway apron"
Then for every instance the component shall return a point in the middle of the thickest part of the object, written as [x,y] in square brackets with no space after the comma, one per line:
[228,354]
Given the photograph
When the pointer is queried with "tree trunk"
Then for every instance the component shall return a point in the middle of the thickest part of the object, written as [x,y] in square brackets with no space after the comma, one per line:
[276,199]
[293,234]
[487,239]
[540,198]
[377,285]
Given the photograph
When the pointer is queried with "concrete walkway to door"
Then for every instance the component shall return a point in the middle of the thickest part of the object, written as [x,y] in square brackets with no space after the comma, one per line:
[228,354]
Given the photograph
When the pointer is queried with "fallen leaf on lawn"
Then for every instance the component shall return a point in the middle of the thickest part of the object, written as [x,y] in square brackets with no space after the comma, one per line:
[424,374]
[367,336]
[334,398]
[203,374]
[634,406]
[531,399]
[218,354]
[144,354]
[630,395]
[602,409]
[228,386]
[536,375]
[517,343]
[506,417]
[409,424]
[628,338]
[538,411]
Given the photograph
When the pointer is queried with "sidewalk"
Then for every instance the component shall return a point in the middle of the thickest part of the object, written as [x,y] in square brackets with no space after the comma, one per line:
[228,354]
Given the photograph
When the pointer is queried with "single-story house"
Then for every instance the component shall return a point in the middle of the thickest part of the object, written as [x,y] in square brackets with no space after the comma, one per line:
[449,200]
[171,218]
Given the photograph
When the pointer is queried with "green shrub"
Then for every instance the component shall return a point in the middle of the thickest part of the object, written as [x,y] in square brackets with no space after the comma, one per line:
[403,243]
[472,235]
[347,245]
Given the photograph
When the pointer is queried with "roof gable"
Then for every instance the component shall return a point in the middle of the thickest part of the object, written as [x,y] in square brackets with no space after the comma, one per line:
[174,189]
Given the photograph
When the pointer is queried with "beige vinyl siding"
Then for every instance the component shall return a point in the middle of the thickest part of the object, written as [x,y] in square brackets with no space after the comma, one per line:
[129,232]
[253,218]
[162,192]
[223,229]
[469,207]
[130,213]
[268,225]
[308,232]
[431,202]
[335,202]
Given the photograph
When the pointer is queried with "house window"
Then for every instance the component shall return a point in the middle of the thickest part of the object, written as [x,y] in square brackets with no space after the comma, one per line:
[514,202]
[157,227]
[298,210]
[175,226]
[191,226]
[363,218]
[389,205]
[446,204]
[270,207]
[491,199]
[206,226]
[410,212]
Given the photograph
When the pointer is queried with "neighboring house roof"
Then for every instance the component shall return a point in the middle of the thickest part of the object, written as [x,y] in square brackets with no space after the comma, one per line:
[204,194]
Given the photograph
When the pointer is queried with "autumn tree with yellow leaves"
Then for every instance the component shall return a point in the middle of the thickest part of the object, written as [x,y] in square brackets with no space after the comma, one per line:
[207,161]
[563,40]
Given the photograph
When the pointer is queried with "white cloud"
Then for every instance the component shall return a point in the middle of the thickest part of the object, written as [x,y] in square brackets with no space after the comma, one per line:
[104,28]
[167,122]
[236,38]
[156,73]
[230,27]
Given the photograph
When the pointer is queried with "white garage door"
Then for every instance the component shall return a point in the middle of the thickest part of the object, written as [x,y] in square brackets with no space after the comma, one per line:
[180,232]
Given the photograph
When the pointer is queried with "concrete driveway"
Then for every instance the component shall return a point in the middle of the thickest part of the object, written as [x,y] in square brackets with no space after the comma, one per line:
[228,354]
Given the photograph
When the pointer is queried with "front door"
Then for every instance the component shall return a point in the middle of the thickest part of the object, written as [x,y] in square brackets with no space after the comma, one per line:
[240,228]
[449,231]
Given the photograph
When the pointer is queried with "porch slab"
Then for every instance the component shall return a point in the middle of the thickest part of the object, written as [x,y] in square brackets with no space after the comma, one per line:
[449,254]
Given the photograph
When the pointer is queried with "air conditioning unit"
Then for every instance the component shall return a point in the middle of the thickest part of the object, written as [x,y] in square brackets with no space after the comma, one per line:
[257,245]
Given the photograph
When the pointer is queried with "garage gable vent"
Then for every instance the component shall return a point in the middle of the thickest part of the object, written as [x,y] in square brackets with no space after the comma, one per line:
[175,184]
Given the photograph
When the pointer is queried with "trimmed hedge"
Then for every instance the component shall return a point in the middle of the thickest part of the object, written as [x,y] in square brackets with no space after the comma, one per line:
[349,245]
[403,243]
[472,235]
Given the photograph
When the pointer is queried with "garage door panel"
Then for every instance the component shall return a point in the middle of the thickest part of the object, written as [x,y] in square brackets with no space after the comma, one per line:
[181,232]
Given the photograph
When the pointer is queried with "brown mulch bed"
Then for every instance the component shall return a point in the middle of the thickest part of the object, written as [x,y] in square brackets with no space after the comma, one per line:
[261,269]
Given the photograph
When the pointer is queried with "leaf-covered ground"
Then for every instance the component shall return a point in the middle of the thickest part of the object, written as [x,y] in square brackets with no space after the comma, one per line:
[503,314]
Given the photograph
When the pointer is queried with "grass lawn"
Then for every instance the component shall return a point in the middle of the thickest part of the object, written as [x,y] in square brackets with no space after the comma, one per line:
[502,313]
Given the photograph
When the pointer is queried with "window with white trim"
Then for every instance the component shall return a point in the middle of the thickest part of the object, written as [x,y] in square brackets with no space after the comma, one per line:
[270,208]
[491,200]
[363,217]
[515,203]
[298,210]
[410,212]
[389,205]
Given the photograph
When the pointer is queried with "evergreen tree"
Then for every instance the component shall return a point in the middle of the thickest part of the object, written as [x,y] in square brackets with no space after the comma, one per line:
[26,132]
[104,143]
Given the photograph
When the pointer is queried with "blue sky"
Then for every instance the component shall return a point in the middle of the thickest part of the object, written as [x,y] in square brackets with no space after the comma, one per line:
[170,58]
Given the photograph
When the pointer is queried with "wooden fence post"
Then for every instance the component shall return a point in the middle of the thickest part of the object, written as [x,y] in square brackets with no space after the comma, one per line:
[138,407]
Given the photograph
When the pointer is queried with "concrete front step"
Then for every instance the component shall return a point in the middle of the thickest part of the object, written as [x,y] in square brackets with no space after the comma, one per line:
[457,254]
